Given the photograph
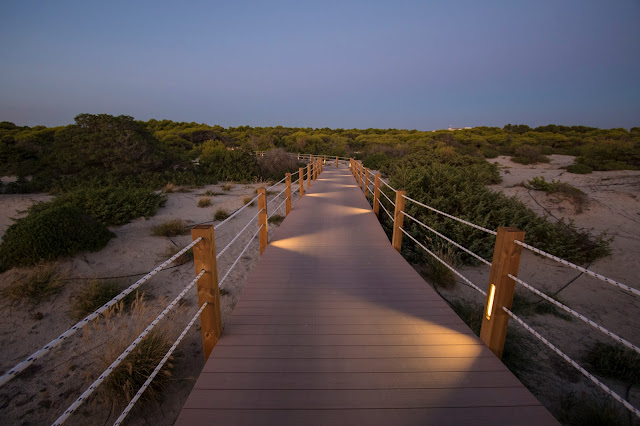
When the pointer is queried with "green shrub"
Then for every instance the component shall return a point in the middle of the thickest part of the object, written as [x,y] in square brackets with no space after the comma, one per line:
[276,219]
[579,169]
[110,205]
[171,228]
[461,191]
[220,214]
[275,163]
[528,154]
[93,296]
[48,234]
[376,161]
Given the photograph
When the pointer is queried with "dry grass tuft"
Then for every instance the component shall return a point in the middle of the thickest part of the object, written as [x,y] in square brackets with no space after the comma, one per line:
[227,187]
[246,200]
[204,202]
[169,188]
[96,294]
[171,228]
[276,219]
[39,283]
[439,274]
[220,214]
[186,257]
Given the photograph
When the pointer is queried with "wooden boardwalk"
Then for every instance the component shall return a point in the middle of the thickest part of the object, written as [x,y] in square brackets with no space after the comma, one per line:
[335,327]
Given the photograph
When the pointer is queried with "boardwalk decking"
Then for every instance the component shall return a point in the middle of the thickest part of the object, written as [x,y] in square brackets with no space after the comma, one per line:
[334,327]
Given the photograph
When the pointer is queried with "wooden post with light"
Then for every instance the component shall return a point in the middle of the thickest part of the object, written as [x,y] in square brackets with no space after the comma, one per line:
[366,181]
[376,195]
[204,257]
[398,219]
[506,260]
[262,218]
[288,193]
[301,180]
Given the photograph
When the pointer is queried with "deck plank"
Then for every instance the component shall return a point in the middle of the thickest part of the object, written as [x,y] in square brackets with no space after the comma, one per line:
[335,327]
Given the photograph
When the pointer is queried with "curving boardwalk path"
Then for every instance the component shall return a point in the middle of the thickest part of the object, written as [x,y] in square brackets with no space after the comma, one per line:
[335,327]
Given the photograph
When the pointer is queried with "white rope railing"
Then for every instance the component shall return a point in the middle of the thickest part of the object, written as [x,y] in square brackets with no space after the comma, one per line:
[276,209]
[236,212]
[576,314]
[389,186]
[277,183]
[620,285]
[276,196]
[155,372]
[73,407]
[82,323]
[465,279]
[386,211]
[385,196]
[448,239]
[238,258]
[451,216]
[238,234]
[574,364]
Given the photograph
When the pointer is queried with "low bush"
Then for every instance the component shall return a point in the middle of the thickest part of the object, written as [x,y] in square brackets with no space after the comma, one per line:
[276,219]
[579,169]
[49,234]
[40,282]
[227,187]
[186,257]
[578,197]
[94,295]
[220,214]
[204,202]
[615,361]
[528,154]
[439,274]
[275,163]
[247,200]
[171,228]
[110,205]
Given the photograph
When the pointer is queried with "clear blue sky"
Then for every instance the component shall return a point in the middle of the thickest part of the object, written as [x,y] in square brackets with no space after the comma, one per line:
[393,64]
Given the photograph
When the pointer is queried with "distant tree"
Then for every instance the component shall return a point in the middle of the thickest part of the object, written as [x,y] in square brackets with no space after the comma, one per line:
[105,143]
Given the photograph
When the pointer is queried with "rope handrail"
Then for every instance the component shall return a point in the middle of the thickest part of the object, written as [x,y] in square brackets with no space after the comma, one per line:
[86,320]
[276,196]
[573,363]
[385,196]
[73,407]
[238,234]
[276,209]
[238,258]
[620,285]
[465,279]
[161,364]
[277,183]
[451,216]
[386,211]
[576,314]
[446,238]
[236,212]
[389,186]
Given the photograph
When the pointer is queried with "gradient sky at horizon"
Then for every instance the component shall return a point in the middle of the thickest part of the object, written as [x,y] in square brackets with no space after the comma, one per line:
[345,64]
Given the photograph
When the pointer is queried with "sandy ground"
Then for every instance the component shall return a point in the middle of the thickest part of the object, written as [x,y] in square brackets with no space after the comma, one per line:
[43,392]
[612,207]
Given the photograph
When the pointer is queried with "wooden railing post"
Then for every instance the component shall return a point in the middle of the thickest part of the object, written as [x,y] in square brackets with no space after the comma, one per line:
[398,219]
[351,166]
[506,260]
[376,195]
[325,160]
[308,176]
[204,257]
[362,182]
[366,181]
[298,156]
[287,192]
[358,174]
[315,169]
[336,162]
[320,165]
[262,218]
[301,180]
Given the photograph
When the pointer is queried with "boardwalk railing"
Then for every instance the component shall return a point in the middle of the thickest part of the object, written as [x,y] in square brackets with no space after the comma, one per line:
[503,276]
[206,281]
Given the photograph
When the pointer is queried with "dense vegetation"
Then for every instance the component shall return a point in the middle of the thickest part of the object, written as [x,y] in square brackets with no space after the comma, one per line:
[108,169]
